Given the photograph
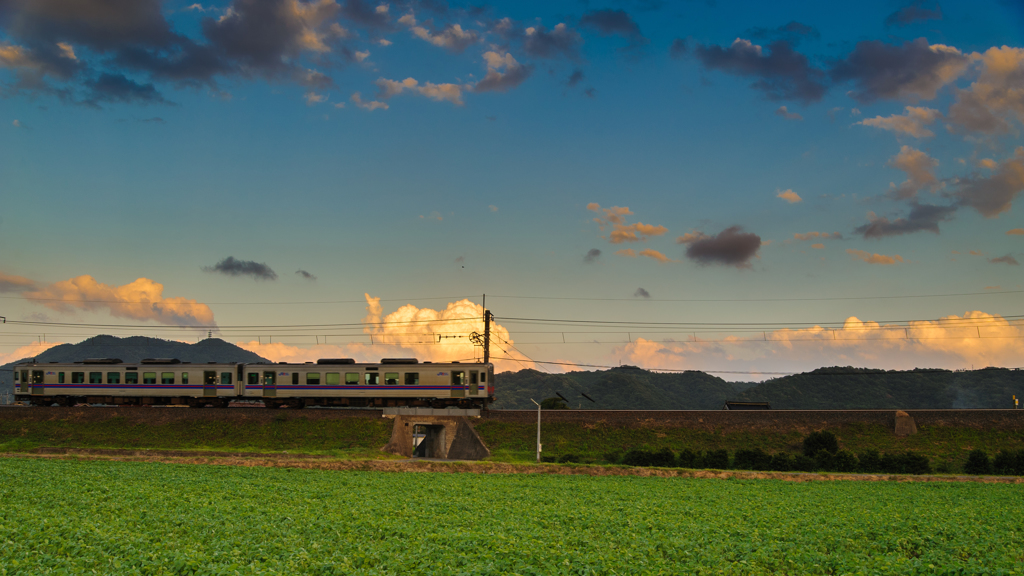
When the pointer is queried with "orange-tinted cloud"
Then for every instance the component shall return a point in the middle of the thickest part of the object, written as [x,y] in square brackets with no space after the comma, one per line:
[789,196]
[656,255]
[139,300]
[951,342]
[991,102]
[812,235]
[30,351]
[12,283]
[1015,232]
[627,252]
[912,123]
[423,333]
[874,258]
[818,246]
[622,232]
[920,169]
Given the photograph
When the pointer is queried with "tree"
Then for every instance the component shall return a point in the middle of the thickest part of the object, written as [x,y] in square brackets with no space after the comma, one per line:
[820,440]
[555,403]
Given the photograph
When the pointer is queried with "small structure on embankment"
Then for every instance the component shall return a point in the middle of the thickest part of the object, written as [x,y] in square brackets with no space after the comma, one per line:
[444,433]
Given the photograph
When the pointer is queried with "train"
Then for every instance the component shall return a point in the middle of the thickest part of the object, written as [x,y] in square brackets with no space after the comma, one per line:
[338,382]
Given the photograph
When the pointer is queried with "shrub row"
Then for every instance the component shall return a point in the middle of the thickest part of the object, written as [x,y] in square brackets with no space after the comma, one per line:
[1006,462]
[823,461]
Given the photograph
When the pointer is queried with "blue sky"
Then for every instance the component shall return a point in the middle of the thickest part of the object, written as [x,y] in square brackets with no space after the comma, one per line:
[408,150]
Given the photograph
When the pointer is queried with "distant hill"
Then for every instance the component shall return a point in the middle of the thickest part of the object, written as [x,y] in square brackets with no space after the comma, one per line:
[133,349]
[622,388]
[837,388]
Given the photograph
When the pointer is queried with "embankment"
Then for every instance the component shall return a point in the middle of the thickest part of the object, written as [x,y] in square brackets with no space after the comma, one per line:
[945,436]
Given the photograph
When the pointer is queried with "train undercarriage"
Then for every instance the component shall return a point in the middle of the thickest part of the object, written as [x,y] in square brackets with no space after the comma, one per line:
[268,402]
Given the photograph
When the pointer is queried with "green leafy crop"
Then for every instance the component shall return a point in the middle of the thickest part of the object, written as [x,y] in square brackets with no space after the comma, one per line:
[68,517]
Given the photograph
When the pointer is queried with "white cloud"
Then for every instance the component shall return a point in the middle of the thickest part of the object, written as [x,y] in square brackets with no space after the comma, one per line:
[785,113]
[314,98]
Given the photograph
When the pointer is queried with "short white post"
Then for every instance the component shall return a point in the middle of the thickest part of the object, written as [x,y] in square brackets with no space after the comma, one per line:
[538,429]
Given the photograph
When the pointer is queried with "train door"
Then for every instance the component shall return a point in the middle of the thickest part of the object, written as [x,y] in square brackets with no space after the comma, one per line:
[474,383]
[458,384]
[209,383]
[269,384]
[37,382]
[24,382]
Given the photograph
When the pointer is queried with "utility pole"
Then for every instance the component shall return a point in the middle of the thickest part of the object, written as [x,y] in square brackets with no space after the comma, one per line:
[487,336]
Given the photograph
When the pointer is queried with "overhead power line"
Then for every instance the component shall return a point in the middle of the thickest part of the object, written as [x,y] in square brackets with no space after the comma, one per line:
[729,325]
[828,298]
[511,297]
[236,303]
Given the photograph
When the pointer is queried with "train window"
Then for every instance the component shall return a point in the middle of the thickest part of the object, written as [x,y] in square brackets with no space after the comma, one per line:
[412,378]
[254,378]
[312,378]
[16,375]
[77,377]
[483,377]
[184,377]
[351,378]
[391,378]
[295,377]
[472,376]
[372,378]
[95,377]
[167,377]
[113,377]
[60,377]
[37,376]
[131,377]
[458,378]
[332,378]
[225,377]
[149,377]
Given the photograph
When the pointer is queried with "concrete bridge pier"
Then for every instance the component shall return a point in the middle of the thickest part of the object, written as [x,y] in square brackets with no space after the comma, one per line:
[449,437]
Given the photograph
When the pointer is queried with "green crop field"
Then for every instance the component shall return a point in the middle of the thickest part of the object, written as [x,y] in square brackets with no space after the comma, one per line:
[76,517]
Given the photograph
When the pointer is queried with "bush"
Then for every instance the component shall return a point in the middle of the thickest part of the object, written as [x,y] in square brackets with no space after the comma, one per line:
[978,463]
[687,459]
[1009,462]
[871,462]
[824,461]
[664,458]
[716,459]
[906,463]
[820,440]
[638,458]
[845,461]
[781,462]
[568,458]
[755,459]
[803,463]
[612,457]
[549,458]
